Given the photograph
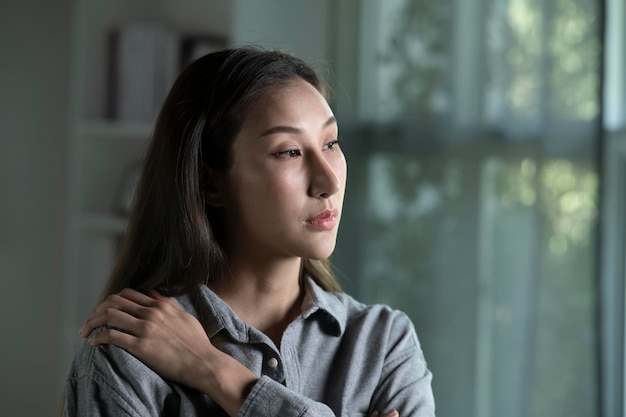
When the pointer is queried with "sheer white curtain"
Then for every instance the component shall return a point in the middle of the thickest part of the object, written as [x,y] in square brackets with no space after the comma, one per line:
[472,130]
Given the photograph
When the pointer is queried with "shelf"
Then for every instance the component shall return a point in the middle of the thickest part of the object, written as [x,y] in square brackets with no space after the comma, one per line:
[102,223]
[110,129]
[105,154]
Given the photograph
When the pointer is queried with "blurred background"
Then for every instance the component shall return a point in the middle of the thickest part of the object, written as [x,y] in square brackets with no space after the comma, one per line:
[486,193]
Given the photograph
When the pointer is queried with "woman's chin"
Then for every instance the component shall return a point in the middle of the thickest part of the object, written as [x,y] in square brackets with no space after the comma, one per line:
[321,253]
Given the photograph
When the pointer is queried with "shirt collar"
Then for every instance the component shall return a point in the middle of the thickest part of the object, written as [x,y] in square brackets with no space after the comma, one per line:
[327,303]
[219,316]
[216,315]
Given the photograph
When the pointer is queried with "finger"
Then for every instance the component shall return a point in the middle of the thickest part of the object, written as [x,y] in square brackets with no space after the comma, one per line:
[157,296]
[114,337]
[137,297]
[392,413]
[111,317]
[375,414]
[117,301]
[100,315]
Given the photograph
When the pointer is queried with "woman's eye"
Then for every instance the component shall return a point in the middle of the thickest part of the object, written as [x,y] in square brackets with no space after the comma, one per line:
[289,153]
[332,144]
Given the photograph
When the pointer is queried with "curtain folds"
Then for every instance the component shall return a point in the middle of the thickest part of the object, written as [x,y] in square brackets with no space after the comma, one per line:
[473,194]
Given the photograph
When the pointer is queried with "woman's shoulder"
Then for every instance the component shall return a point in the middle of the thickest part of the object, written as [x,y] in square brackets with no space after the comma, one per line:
[103,361]
[116,378]
[379,319]
[359,310]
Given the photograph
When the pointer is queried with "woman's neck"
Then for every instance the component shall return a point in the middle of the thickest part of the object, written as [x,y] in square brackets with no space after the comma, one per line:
[267,297]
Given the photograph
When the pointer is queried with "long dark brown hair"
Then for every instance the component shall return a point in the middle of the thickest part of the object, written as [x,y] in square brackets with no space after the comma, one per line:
[173,237]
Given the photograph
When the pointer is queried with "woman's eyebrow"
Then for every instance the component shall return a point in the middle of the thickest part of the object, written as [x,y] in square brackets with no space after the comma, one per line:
[292,129]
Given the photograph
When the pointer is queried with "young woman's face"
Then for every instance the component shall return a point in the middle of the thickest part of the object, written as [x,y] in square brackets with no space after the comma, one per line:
[286,186]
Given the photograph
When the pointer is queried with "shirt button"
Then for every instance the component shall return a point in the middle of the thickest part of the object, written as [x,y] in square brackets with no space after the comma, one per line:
[272,362]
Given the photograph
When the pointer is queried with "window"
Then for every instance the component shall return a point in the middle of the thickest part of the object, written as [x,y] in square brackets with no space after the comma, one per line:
[473,193]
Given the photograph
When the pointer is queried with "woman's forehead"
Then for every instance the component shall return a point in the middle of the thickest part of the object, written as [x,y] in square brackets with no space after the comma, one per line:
[292,103]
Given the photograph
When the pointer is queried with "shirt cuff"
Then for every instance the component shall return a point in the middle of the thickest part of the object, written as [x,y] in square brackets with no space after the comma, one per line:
[268,398]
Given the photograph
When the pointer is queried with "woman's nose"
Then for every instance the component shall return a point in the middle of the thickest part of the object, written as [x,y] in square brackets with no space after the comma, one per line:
[324,180]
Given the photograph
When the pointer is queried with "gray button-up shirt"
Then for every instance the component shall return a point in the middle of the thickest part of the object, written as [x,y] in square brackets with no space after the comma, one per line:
[339,357]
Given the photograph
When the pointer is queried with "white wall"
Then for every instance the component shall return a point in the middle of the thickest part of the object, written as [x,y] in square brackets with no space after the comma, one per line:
[34,65]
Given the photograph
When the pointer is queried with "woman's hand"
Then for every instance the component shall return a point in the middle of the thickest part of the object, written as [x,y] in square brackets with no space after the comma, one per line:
[172,342]
[155,330]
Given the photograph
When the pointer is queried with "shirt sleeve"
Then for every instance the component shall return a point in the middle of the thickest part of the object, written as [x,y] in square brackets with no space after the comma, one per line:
[405,382]
[106,381]
[284,402]
[85,397]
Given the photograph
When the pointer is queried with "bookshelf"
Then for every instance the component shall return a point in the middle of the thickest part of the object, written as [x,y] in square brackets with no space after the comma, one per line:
[105,149]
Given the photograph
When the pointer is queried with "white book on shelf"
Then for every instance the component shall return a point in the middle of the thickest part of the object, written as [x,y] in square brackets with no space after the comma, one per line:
[144,64]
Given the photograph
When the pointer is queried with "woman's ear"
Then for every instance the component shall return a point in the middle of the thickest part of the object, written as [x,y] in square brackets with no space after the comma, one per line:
[212,184]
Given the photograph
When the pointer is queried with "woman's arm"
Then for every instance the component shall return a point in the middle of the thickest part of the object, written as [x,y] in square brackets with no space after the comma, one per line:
[405,380]
[170,341]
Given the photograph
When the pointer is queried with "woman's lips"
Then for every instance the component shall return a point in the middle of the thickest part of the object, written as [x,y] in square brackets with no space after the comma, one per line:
[325,220]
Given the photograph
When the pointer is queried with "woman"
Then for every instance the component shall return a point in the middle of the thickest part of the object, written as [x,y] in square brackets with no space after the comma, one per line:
[235,217]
